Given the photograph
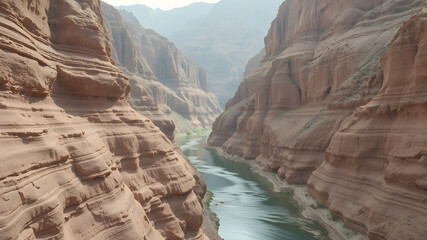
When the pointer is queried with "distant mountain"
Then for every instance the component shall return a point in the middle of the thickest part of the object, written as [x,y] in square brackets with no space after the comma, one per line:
[161,77]
[221,38]
[168,22]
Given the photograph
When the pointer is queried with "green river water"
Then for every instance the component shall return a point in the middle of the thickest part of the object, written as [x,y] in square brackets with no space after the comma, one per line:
[245,202]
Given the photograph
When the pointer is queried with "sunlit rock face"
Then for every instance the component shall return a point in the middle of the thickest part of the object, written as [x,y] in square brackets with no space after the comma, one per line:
[341,90]
[77,161]
[162,78]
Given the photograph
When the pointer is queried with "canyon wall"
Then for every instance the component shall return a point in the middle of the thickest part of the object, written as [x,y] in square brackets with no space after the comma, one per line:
[331,95]
[169,22]
[158,71]
[77,161]
[375,171]
[219,37]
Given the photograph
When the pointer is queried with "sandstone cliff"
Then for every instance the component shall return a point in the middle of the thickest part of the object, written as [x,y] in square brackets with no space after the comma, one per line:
[375,171]
[158,71]
[77,161]
[322,88]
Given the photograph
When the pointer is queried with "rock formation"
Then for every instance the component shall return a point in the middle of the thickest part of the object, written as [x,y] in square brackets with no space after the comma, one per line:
[324,87]
[219,37]
[253,63]
[160,75]
[226,39]
[375,171]
[77,161]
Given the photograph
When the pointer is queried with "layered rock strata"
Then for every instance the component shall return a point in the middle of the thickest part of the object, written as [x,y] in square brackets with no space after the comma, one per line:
[375,171]
[77,161]
[341,90]
[322,62]
[158,71]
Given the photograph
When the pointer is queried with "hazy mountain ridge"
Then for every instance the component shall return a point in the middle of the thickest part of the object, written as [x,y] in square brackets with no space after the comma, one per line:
[220,40]
[168,22]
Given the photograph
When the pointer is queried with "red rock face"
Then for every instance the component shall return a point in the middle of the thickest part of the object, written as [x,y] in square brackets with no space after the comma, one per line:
[375,169]
[159,71]
[322,61]
[339,101]
[77,162]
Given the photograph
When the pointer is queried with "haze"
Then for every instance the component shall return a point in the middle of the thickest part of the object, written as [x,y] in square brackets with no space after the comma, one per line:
[162,4]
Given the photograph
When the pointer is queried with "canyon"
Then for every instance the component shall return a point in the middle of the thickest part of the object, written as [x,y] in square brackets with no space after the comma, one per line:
[333,104]
[77,161]
[166,86]
[221,37]
[339,103]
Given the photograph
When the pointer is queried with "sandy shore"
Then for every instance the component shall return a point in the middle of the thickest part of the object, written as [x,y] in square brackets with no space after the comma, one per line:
[210,220]
[312,209]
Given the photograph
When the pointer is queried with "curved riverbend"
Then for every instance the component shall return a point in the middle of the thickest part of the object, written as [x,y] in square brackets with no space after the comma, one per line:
[244,201]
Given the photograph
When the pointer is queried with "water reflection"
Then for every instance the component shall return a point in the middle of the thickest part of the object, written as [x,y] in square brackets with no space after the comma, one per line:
[245,202]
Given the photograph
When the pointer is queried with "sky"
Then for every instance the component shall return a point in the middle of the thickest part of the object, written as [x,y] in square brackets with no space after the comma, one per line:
[162,4]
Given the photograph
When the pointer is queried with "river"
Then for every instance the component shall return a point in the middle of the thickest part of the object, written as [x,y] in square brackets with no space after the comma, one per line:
[244,201]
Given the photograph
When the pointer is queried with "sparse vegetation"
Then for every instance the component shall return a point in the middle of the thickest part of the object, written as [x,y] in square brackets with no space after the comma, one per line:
[317,206]
[213,216]
[334,218]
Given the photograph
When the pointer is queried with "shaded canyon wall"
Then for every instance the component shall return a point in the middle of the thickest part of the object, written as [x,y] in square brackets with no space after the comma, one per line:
[158,71]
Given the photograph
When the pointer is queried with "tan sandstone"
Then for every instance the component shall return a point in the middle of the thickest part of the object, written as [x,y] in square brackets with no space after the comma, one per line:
[341,92]
[77,162]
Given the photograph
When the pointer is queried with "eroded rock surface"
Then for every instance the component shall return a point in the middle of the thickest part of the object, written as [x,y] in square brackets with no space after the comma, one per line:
[343,86]
[375,169]
[77,161]
[158,71]
[322,62]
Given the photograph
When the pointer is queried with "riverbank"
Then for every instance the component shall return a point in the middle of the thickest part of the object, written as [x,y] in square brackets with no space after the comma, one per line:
[190,130]
[210,220]
[311,208]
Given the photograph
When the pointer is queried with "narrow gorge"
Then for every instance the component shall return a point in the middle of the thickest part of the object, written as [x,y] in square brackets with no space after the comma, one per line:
[165,85]
[109,131]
